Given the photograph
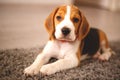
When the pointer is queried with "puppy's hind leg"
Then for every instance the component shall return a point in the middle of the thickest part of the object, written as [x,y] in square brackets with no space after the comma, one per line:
[106,50]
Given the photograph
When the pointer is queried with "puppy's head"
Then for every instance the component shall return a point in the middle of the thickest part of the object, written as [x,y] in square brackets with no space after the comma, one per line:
[67,23]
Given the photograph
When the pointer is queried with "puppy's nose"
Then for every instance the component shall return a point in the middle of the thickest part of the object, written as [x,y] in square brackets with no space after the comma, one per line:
[65,31]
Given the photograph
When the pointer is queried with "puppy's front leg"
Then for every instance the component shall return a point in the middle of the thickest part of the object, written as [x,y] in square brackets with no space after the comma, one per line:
[62,64]
[35,67]
[41,59]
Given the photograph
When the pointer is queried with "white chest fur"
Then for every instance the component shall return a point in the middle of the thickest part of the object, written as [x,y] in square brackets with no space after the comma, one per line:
[61,49]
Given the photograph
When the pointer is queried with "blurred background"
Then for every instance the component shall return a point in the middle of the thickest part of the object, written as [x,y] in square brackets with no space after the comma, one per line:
[22,21]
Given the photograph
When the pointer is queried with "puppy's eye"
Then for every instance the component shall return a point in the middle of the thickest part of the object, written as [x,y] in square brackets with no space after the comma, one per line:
[75,20]
[58,17]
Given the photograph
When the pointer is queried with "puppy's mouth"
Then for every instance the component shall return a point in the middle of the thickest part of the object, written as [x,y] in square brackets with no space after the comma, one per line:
[65,39]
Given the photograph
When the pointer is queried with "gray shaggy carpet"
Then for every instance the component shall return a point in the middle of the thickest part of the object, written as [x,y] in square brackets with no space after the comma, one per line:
[13,62]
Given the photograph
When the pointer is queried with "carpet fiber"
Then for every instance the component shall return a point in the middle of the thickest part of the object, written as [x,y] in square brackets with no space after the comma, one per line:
[13,62]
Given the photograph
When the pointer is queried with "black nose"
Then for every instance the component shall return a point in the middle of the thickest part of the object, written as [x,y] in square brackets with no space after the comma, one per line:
[65,31]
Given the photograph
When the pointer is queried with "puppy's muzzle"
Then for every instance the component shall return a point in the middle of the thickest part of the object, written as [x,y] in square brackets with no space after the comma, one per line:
[65,31]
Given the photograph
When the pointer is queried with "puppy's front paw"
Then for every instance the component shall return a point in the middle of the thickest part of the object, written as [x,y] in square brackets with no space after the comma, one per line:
[47,69]
[31,70]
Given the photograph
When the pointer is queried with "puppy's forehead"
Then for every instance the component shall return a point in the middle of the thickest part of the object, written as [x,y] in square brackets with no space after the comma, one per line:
[74,11]
[63,9]
[74,8]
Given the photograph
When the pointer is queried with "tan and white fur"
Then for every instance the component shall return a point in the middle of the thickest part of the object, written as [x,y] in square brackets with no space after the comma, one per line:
[67,27]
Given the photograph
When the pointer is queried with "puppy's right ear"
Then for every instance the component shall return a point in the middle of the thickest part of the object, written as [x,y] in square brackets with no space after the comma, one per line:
[49,24]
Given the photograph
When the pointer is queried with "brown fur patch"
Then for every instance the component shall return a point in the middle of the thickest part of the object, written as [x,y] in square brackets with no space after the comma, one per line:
[75,13]
[103,37]
[78,56]
[61,13]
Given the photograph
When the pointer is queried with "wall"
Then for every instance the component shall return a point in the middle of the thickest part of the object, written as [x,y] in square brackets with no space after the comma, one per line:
[37,1]
[113,5]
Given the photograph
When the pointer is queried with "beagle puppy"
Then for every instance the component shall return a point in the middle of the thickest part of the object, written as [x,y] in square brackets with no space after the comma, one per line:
[70,40]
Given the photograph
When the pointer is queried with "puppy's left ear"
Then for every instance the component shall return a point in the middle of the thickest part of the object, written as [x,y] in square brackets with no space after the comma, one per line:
[49,24]
[83,28]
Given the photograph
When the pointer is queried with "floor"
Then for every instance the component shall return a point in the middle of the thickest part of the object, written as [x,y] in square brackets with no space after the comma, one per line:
[22,26]
[14,61]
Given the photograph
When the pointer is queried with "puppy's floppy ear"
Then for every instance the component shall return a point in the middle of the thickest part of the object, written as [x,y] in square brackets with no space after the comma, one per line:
[83,27]
[49,24]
